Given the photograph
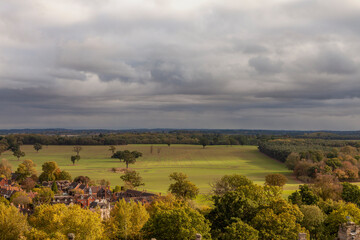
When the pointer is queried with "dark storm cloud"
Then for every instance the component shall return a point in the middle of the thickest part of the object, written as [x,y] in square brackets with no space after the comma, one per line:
[134,64]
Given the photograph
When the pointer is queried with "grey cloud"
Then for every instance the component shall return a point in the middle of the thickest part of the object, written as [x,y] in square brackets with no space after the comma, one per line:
[265,65]
[155,64]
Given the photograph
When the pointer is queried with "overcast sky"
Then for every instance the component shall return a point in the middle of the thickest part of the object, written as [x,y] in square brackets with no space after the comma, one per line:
[275,64]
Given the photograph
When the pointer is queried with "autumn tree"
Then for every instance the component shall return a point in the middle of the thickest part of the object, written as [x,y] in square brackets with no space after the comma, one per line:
[49,169]
[44,195]
[20,198]
[59,220]
[5,169]
[4,146]
[13,224]
[132,179]
[204,141]
[127,156]
[28,184]
[37,147]
[182,188]
[26,169]
[276,179]
[126,220]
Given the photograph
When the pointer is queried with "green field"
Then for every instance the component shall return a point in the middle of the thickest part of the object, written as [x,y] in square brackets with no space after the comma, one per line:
[201,165]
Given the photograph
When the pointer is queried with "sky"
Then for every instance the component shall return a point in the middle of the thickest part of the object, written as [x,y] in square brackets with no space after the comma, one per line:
[250,64]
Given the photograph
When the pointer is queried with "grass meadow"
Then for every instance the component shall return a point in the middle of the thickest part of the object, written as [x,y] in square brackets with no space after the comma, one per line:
[201,165]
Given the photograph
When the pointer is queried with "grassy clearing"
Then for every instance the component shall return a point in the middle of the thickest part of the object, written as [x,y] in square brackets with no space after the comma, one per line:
[201,165]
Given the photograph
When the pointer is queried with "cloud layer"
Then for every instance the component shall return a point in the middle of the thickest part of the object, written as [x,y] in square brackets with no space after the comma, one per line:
[276,64]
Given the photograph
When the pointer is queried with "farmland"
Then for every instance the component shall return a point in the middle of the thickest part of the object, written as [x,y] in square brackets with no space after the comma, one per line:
[201,165]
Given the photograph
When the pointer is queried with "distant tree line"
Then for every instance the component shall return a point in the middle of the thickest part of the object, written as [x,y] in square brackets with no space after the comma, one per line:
[14,140]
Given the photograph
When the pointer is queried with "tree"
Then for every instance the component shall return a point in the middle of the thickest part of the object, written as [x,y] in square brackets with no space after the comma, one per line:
[5,169]
[204,141]
[112,149]
[75,158]
[82,179]
[59,220]
[50,169]
[77,149]
[280,220]
[4,146]
[18,154]
[63,175]
[182,188]
[229,183]
[28,184]
[54,187]
[26,169]
[351,193]
[127,156]
[275,180]
[126,220]
[338,216]
[132,178]
[292,160]
[305,195]
[44,195]
[13,224]
[240,231]
[20,198]
[327,187]
[37,147]
[313,220]
[172,221]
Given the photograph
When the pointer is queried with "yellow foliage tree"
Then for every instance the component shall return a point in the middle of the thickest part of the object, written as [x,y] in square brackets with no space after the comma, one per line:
[13,224]
[126,220]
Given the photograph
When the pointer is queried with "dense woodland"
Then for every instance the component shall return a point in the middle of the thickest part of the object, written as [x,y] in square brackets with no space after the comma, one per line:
[310,157]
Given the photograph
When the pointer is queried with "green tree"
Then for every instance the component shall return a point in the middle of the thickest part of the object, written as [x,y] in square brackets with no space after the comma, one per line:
[240,231]
[132,178]
[182,188]
[127,156]
[204,141]
[169,221]
[276,179]
[280,220]
[292,160]
[59,220]
[74,159]
[63,175]
[229,183]
[26,169]
[37,147]
[4,146]
[54,187]
[313,220]
[351,193]
[126,220]
[18,154]
[13,224]
[5,169]
[305,195]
